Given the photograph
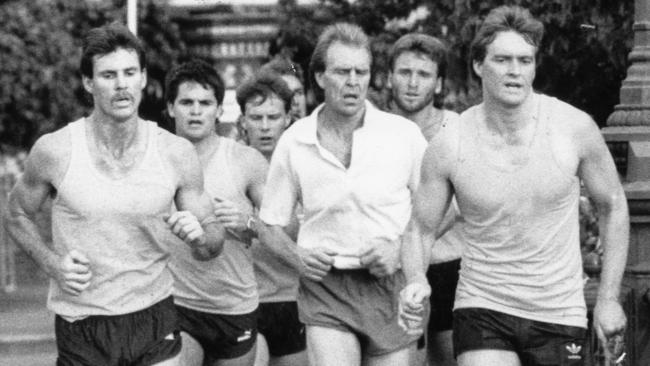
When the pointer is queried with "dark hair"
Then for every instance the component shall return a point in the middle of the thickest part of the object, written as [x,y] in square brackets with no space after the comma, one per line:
[346,33]
[503,19]
[264,84]
[427,45]
[106,39]
[284,66]
[197,71]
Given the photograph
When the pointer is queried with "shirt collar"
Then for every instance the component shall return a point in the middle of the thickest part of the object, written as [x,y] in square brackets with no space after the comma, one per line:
[308,131]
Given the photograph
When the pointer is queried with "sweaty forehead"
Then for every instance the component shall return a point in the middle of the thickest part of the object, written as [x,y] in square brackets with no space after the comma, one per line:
[347,56]
[511,43]
[415,58]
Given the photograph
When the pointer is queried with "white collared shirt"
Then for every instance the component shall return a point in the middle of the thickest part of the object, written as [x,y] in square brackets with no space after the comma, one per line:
[346,208]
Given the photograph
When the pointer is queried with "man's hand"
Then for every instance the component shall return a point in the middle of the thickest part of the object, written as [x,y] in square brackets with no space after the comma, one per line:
[381,257]
[316,262]
[187,227]
[230,215]
[609,319]
[411,309]
[73,273]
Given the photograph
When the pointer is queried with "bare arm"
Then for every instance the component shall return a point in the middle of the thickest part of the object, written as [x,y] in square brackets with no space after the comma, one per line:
[206,239]
[44,165]
[597,170]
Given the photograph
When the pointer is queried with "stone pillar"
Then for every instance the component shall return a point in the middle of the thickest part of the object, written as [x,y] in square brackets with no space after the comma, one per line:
[628,135]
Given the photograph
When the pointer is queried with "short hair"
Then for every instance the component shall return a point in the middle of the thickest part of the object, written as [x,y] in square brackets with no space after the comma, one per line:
[345,33]
[264,85]
[284,66]
[503,19]
[106,39]
[427,45]
[197,71]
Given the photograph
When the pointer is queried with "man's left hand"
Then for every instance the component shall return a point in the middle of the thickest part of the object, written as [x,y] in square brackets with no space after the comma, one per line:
[609,319]
[381,257]
[187,227]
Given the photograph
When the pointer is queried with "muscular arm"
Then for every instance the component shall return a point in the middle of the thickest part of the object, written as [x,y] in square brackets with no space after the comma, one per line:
[190,196]
[596,169]
[26,199]
[430,202]
[45,165]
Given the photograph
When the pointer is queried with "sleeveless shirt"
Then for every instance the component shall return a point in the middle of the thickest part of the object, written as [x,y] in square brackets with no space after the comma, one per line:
[522,254]
[118,224]
[225,284]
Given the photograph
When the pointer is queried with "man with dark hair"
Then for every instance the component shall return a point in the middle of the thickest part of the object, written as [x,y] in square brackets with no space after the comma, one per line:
[417,70]
[114,178]
[265,100]
[514,164]
[217,300]
[292,74]
[353,169]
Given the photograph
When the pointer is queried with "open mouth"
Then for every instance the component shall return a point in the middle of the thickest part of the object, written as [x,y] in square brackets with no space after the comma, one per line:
[194,122]
[513,85]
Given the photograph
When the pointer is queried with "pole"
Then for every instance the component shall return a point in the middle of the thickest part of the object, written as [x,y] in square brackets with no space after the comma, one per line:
[132,16]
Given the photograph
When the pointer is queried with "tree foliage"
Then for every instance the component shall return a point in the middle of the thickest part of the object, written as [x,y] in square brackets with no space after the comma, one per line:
[40,40]
[583,57]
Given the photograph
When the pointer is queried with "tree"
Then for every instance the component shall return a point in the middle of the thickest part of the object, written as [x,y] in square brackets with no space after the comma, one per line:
[40,88]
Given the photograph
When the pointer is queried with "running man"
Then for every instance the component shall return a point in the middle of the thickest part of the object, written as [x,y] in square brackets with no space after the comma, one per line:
[292,74]
[353,169]
[114,178]
[265,101]
[217,300]
[515,163]
[417,70]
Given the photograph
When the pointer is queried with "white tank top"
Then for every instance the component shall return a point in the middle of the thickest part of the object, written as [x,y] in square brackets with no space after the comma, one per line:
[522,254]
[226,284]
[118,224]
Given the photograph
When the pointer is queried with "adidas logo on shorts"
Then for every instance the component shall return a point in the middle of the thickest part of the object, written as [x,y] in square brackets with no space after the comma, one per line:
[573,351]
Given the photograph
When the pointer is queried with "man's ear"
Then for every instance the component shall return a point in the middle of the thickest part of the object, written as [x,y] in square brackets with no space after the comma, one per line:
[87,83]
[438,89]
[143,82]
[478,68]
[318,76]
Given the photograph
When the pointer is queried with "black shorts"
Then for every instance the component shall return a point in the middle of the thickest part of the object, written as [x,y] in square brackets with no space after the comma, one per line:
[443,279]
[144,337]
[536,343]
[279,324]
[221,336]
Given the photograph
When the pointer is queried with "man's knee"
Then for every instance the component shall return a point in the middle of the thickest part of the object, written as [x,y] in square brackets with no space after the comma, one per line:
[488,357]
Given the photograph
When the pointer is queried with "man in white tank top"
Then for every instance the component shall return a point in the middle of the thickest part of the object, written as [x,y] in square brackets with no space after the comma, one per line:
[417,70]
[114,178]
[266,101]
[217,301]
[514,164]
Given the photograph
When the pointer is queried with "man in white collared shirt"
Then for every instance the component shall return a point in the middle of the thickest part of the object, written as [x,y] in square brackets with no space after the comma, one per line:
[354,169]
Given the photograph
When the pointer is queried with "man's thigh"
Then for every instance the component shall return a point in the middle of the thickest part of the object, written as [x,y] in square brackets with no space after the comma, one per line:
[332,347]
[399,357]
[488,357]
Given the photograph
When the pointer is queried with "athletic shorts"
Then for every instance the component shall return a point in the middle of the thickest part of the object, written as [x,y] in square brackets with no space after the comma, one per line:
[357,302]
[536,343]
[221,336]
[443,278]
[279,324]
[141,338]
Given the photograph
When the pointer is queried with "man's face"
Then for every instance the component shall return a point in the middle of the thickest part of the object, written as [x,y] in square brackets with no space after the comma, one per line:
[346,78]
[195,111]
[116,84]
[413,81]
[264,122]
[508,70]
[298,103]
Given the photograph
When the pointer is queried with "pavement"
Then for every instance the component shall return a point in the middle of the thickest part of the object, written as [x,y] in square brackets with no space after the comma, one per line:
[26,326]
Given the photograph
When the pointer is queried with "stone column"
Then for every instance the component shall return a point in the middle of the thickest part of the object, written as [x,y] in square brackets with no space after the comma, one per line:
[628,135]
